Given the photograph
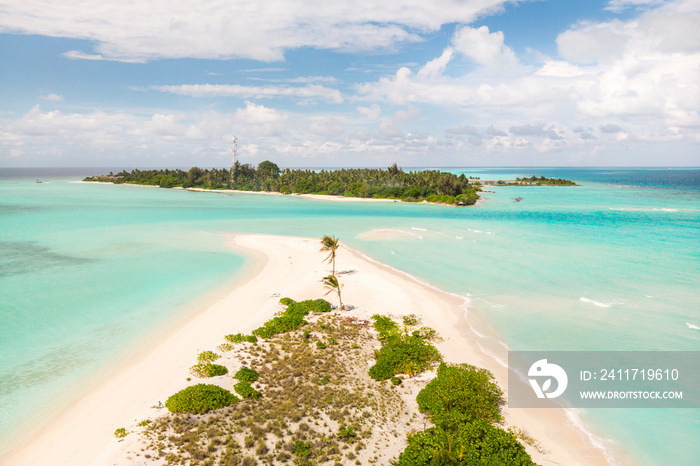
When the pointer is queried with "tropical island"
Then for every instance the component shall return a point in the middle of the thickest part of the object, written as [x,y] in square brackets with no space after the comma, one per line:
[392,183]
[314,385]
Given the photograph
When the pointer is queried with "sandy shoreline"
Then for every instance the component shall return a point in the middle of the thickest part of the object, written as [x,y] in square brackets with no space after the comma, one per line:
[283,266]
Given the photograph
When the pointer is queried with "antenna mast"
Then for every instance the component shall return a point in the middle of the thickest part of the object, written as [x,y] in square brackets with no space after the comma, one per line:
[235,156]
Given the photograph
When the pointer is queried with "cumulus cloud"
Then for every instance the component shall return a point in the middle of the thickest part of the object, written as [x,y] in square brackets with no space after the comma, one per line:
[485,48]
[311,91]
[372,113]
[140,31]
[412,113]
[260,120]
[642,72]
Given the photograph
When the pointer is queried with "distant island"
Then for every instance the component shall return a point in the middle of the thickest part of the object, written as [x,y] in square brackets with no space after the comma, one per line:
[392,183]
[431,186]
[531,181]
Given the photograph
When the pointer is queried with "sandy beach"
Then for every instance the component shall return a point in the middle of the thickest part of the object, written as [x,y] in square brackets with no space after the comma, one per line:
[282,266]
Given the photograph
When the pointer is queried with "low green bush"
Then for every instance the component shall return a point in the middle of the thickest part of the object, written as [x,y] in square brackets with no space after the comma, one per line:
[293,317]
[320,345]
[245,390]
[381,371]
[208,370]
[245,374]
[120,433]
[396,381]
[474,443]
[199,399]
[405,354]
[385,326]
[461,393]
[207,356]
[347,433]
[240,338]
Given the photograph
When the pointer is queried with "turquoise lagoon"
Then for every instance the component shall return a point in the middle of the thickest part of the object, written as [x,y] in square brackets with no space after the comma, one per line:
[90,272]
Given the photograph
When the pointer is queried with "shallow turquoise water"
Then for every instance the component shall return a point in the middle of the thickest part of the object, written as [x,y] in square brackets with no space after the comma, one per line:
[86,270]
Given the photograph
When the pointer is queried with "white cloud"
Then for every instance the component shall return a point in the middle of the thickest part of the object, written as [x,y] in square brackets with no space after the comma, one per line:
[311,91]
[140,31]
[485,48]
[435,67]
[260,120]
[640,75]
[52,97]
[412,113]
[372,113]
[388,129]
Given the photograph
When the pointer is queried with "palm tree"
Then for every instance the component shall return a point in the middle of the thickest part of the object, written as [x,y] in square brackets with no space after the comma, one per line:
[331,283]
[330,244]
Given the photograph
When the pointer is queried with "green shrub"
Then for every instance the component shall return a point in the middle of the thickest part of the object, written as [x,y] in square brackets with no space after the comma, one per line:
[385,326]
[245,374]
[396,381]
[325,379]
[207,356]
[302,449]
[199,399]
[293,317]
[120,433]
[405,354]
[332,341]
[240,338]
[144,423]
[208,370]
[474,443]
[459,394]
[381,371]
[347,433]
[246,390]
[320,345]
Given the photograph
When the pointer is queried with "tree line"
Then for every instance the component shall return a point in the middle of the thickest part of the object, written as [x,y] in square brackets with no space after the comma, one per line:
[389,183]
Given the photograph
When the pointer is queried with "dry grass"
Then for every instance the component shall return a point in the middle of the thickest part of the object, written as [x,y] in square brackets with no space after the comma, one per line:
[309,396]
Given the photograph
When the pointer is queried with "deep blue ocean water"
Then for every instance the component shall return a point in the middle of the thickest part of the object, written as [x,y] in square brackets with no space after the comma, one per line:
[88,270]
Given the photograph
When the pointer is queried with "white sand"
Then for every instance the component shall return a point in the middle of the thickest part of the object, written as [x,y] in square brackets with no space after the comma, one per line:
[84,433]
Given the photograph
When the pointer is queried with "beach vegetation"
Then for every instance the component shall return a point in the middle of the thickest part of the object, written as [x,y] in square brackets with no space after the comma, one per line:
[207,356]
[461,393]
[385,326]
[245,374]
[473,443]
[246,390]
[240,338]
[207,369]
[291,318]
[297,407]
[199,399]
[320,345]
[463,403]
[330,244]
[402,352]
[120,432]
[332,284]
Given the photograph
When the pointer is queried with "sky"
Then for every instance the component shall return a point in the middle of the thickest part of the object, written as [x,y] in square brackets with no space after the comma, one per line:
[316,83]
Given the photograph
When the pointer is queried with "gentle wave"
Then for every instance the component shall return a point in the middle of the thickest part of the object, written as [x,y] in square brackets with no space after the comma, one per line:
[596,303]
[694,327]
[479,231]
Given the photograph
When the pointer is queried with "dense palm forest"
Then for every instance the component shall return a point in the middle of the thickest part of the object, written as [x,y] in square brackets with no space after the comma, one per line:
[390,183]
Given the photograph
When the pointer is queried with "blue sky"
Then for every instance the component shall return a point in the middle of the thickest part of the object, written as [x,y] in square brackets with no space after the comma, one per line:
[167,83]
